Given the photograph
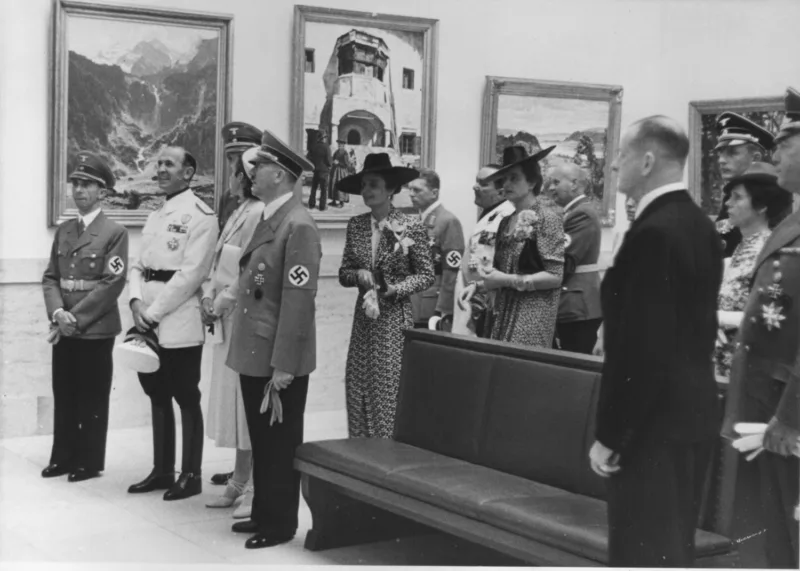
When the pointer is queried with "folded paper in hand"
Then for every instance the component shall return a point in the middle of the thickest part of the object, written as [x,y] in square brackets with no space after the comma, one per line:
[752,438]
[272,401]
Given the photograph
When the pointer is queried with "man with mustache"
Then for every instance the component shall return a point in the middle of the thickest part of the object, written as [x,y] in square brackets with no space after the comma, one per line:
[82,282]
[740,143]
[176,252]
[480,252]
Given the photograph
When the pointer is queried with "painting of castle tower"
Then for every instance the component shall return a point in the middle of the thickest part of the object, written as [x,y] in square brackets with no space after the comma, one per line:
[363,89]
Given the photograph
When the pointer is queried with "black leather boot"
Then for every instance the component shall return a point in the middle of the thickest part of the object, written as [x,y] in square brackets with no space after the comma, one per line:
[163,475]
[192,449]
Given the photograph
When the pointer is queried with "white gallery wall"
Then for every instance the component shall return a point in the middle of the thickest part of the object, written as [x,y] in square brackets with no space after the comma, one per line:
[664,53]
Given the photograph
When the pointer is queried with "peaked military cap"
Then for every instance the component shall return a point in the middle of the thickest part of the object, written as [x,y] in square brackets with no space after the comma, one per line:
[90,166]
[273,150]
[791,121]
[733,129]
[240,136]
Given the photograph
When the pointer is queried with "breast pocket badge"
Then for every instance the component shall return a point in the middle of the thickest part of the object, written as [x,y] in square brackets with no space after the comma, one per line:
[173,244]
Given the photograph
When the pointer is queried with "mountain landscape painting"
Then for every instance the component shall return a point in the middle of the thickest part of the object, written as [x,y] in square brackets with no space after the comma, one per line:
[135,87]
[578,129]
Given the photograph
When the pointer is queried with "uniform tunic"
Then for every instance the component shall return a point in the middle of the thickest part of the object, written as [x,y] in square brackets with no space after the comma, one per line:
[82,363]
[227,424]
[446,240]
[375,355]
[275,328]
[764,380]
[528,317]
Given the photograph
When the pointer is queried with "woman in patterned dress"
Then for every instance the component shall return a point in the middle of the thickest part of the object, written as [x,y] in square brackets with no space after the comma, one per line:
[386,255]
[755,206]
[226,421]
[529,256]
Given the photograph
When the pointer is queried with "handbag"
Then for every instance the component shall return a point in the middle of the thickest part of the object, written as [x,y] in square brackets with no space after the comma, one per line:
[530,261]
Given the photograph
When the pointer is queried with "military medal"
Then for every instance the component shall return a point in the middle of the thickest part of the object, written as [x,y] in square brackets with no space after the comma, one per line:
[185,218]
[173,244]
[261,267]
[775,291]
[772,315]
[259,279]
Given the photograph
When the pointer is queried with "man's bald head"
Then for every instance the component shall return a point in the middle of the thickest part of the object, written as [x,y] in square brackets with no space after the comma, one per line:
[487,194]
[567,182]
[663,136]
[652,153]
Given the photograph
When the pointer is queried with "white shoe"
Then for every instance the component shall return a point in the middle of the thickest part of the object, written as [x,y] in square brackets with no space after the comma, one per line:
[245,504]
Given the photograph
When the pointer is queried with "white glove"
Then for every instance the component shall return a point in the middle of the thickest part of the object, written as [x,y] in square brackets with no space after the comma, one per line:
[370,304]
[730,319]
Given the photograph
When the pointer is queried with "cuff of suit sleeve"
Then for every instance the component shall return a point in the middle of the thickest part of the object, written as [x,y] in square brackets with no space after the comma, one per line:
[55,312]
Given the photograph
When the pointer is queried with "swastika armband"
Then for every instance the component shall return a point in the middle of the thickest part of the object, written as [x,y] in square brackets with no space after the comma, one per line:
[116,266]
[453,259]
[298,275]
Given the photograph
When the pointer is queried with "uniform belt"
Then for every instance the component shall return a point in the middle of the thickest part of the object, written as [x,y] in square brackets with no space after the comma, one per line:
[157,275]
[588,268]
[78,285]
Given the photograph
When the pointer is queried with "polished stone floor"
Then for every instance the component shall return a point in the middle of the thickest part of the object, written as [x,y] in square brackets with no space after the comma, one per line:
[97,522]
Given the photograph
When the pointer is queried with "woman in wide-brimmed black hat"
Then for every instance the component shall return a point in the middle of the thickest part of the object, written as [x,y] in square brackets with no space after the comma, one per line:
[529,256]
[756,204]
[386,255]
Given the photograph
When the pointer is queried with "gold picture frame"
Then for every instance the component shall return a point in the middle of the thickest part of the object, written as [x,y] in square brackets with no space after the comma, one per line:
[369,80]
[576,117]
[127,81]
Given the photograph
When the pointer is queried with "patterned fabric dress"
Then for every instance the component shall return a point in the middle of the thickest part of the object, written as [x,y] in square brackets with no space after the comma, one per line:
[528,317]
[733,293]
[341,169]
[376,345]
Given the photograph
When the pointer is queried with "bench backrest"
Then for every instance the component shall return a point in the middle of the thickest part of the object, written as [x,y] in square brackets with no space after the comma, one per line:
[523,411]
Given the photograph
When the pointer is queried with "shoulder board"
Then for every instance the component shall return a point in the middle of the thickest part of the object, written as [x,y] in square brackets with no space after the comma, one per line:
[792,251]
[203,207]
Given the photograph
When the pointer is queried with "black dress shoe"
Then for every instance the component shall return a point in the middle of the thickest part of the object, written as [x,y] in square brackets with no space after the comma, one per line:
[54,470]
[188,485]
[221,479]
[153,482]
[269,539]
[81,474]
[246,526]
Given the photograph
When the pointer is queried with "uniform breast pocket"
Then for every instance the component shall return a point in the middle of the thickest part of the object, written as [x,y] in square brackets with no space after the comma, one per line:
[91,263]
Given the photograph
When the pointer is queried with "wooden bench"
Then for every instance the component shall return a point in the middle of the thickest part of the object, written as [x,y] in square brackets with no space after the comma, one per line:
[491,445]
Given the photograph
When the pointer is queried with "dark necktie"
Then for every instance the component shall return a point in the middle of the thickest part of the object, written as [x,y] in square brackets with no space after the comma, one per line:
[81,226]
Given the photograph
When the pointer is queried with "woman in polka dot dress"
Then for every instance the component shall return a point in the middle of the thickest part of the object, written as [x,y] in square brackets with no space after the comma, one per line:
[529,256]
[386,255]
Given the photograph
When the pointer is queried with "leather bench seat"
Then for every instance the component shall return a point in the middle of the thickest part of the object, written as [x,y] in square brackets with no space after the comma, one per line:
[570,522]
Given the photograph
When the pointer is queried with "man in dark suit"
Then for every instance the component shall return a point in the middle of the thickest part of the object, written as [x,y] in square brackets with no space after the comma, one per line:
[765,370]
[657,415]
[274,338]
[740,143]
[579,306]
[82,283]
[320,156]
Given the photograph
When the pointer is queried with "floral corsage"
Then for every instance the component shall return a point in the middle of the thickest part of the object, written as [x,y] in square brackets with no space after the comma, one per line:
[525,228]
[399,231]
